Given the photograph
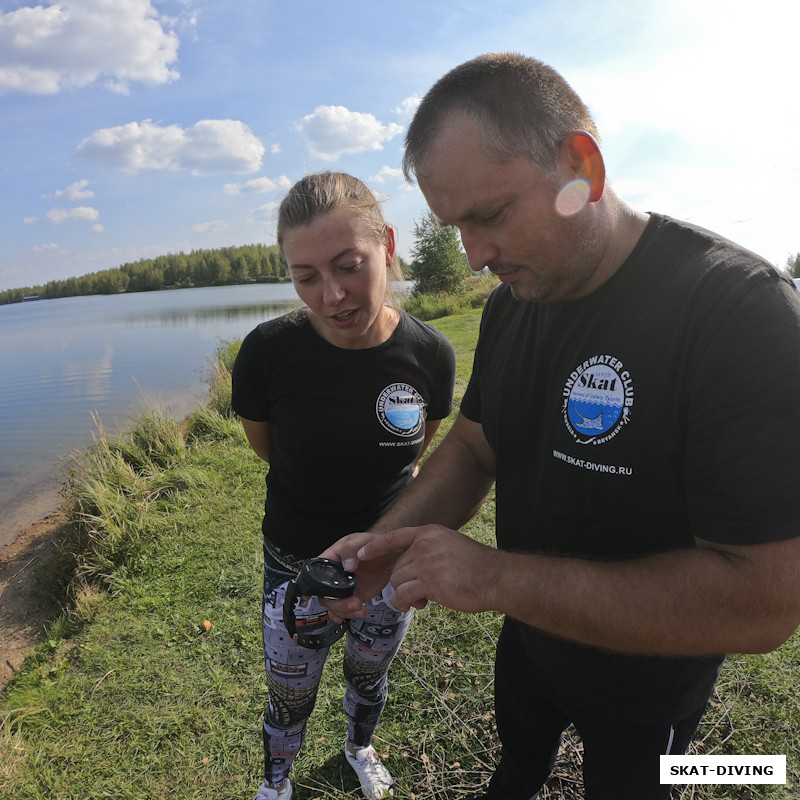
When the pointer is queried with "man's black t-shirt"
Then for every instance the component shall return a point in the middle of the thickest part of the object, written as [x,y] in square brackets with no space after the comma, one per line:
[345,425]
[662,407]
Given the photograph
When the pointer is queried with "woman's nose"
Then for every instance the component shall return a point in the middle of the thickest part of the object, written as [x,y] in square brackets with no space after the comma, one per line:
[332,292]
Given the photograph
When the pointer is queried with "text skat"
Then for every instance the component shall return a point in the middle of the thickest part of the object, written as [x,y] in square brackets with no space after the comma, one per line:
[704,770]
[603,385]
[589,380]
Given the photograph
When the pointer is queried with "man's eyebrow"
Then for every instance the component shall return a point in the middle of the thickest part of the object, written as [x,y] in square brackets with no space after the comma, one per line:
[344,252]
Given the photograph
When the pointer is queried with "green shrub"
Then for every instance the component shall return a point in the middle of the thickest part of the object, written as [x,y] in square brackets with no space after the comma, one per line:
[436,306]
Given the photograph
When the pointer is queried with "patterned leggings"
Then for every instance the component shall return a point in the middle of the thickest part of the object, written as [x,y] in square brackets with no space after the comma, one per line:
[294,672]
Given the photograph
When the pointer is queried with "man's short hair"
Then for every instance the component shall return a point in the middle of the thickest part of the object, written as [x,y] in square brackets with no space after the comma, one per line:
[523,107]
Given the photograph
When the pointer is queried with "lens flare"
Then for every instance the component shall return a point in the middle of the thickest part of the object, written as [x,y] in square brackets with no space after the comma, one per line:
[572,197]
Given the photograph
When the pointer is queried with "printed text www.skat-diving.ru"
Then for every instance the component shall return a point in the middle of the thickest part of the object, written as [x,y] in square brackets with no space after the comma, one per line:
[401,443]
[590,465]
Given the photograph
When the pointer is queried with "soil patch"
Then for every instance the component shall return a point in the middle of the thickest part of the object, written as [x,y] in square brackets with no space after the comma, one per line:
[25,605]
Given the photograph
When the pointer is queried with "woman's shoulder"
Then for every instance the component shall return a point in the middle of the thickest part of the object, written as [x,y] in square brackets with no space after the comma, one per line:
[422,337]
[289,325]
[413,326]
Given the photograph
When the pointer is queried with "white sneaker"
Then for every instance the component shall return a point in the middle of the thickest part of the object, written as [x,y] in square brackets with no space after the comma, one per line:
[376,782]
[267,792]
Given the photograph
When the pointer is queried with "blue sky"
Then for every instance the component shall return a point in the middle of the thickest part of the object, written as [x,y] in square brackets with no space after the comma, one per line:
[134,128]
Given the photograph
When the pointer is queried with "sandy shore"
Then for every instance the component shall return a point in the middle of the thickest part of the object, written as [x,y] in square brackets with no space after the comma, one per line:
[27,529]
[24,613]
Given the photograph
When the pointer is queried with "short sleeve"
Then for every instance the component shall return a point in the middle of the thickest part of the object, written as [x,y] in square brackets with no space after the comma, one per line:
[249,379]
[743,418]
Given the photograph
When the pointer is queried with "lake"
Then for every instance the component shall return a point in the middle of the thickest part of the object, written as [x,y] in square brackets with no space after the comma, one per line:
[63,361]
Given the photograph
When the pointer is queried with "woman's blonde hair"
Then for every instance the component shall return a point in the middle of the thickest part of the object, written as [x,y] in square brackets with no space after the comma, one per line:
[323,192]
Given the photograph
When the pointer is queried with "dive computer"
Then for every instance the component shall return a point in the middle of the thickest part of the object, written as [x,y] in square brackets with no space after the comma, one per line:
[320,577]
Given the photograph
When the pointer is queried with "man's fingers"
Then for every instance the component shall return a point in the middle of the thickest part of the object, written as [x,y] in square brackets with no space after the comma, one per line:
[397,541]
[410,594]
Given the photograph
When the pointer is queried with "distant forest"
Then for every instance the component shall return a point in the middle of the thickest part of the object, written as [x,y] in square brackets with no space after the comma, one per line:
[245,264]
[252,263]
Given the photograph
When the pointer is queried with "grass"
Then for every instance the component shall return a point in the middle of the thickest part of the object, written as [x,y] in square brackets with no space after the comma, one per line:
[131,696]
[435,306]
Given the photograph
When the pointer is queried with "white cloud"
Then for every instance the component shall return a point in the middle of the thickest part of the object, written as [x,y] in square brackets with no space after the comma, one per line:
[77,214]
[258,186]
[222,145]
[210,227]
[408,106]
[46,248]
[265,213]
[75,191]
[98,228]
[386,174]
[332,131]
[211,145]
[29,220]
[48,49]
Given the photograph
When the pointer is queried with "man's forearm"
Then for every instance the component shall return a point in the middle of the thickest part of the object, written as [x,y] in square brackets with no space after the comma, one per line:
[686,602]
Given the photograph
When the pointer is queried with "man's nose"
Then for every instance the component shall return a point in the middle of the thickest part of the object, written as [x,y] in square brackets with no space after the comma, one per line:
[480,251]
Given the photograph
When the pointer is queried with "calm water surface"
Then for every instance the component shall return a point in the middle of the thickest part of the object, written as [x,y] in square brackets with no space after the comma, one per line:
[61,361]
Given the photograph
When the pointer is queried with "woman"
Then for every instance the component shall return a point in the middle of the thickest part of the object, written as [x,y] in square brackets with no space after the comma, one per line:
[341,398]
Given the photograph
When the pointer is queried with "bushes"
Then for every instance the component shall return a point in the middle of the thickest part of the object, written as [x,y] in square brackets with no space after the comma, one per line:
[436,306]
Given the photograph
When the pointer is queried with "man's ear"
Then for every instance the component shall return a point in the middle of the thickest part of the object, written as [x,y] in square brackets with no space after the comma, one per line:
[582,153]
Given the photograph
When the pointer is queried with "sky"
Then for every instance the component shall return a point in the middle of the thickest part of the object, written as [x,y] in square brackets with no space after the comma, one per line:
[134,128]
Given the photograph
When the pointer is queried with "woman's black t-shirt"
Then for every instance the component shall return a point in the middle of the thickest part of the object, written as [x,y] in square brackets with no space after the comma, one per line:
[345,425]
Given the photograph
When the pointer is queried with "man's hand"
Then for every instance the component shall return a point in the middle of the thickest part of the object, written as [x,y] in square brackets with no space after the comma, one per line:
[435,563]
[372,576]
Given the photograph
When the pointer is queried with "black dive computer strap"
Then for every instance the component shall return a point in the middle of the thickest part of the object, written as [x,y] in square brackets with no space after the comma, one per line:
[318,577]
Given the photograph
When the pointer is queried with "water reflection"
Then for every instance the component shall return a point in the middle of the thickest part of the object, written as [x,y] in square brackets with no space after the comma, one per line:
[90,380]
[189,316]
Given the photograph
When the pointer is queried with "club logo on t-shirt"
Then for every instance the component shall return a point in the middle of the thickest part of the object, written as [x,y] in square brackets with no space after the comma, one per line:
[400,409]
[598,396]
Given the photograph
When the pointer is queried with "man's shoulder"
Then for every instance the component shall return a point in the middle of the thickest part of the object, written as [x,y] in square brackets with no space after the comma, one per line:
[683,238]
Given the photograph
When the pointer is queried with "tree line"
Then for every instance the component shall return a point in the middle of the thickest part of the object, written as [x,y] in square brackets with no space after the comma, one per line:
[243,264]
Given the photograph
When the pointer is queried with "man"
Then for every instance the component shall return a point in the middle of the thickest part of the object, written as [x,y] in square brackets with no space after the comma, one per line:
[634,398]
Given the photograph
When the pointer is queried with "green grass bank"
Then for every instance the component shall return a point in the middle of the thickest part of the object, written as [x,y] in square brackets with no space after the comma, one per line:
[150,685]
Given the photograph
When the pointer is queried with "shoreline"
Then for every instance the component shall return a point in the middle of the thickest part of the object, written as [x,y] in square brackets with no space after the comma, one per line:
[24,613]
[32,506]
[28,528]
